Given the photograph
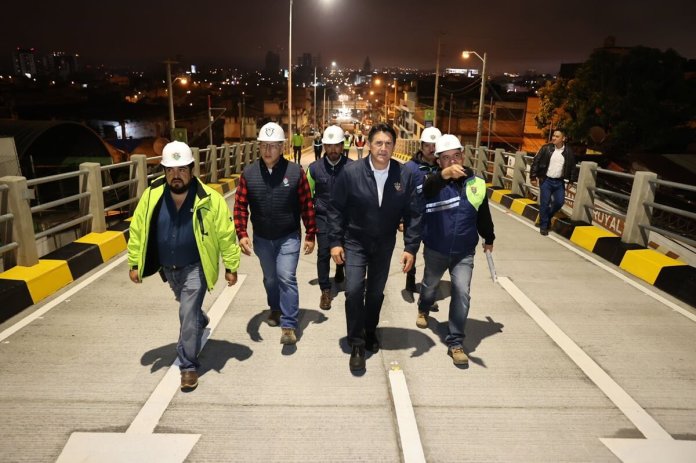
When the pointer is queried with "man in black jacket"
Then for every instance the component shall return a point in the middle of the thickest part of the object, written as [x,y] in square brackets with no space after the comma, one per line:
[553,164]
[369,199]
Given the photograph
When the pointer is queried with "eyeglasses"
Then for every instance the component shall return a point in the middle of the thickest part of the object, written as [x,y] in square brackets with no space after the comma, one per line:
[269,146]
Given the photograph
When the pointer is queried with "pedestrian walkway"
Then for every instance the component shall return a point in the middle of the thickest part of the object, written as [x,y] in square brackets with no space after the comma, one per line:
[97,357]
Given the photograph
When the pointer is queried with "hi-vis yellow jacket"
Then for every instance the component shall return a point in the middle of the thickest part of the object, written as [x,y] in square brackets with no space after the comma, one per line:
[213,229]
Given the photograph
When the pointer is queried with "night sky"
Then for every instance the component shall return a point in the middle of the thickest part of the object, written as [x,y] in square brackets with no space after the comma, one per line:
[517,35]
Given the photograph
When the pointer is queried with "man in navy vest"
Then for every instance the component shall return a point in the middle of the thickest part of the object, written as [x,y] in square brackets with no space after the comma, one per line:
[321,176]
[369,200]
[277,194]
[456,213]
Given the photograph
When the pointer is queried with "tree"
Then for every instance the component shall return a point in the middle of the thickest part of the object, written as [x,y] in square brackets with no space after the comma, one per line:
[639,97]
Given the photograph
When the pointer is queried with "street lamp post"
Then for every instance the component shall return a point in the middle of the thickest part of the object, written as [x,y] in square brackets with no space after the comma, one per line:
[170,93]
[290,73]
[479,126]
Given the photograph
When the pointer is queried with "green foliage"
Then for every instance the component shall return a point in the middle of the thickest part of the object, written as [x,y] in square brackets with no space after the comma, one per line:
[639,97]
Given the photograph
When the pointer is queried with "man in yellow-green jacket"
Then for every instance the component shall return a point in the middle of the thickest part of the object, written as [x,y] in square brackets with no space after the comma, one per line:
[180,229]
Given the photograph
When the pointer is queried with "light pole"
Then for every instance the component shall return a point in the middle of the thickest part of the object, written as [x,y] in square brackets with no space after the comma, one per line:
[170,93]
[479,126]
[290,74]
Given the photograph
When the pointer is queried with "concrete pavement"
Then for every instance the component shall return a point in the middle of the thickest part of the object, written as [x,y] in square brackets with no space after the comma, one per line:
[91,362]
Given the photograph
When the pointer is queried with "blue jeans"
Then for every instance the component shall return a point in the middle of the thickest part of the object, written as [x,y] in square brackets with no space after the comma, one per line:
[279,259]
[364,305]
[460,268]
[189,286]
[551,199]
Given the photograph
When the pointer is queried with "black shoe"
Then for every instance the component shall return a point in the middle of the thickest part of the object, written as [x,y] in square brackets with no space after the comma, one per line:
[544,231]
[357,359]
[371,342]
[411,283]
[340,276]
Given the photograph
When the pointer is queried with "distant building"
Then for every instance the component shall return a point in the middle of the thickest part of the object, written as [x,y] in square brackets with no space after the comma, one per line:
[25,62]
[61,65]
[272,65]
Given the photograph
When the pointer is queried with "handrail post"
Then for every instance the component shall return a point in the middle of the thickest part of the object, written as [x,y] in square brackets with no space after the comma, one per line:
[498,168]
[238,152]
[95,188]
[18,196]
[481,158]
[226,160]
[196,161]
[518,174]
[584,196]
[140,173]
[638,214]
[211,171]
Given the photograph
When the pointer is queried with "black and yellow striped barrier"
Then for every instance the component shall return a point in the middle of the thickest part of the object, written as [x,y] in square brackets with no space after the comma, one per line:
[21,286]
[666,273]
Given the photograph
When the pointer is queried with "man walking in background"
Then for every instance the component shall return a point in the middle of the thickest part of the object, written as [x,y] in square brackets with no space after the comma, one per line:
[422,164]
[322,176]
[552,167]
[297,142]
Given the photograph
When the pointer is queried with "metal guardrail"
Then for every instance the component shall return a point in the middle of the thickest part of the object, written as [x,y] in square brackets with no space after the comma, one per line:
[106,189]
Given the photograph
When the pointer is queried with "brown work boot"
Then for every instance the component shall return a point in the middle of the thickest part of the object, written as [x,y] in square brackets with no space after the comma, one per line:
[189,380]
[458,355]
[422,319]
[325,301]
[288,336]
[274,318]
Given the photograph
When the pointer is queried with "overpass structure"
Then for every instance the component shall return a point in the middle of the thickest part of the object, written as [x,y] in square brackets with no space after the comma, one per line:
[573,358]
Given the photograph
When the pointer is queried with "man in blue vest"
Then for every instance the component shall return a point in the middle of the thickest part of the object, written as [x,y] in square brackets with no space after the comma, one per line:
[274,194]
[421,164]
[369,200]
[456,213]
[321,176]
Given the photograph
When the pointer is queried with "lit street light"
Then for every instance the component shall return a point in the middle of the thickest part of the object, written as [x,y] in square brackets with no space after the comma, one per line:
[170,93]
[479,126]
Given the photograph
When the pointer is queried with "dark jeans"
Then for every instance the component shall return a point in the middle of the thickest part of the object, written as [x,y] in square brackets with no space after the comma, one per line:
[323,260]
[317,153]
[297,151]
[551,199]
[364,305]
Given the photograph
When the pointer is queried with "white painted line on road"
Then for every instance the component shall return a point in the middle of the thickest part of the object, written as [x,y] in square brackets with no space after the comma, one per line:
[405,417]
[42,311]
[633,411]
[151,413]
[563,242]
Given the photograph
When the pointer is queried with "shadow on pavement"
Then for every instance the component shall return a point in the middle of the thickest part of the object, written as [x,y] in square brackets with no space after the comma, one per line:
[214,356]
[475,332]
[304,319]
[398,339]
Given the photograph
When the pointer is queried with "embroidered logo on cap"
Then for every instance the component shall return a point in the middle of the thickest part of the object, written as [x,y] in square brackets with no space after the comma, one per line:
[432,137]
[269,131]
[176,156]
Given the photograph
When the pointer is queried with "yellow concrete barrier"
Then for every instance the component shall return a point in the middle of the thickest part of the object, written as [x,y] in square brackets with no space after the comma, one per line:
[646,264]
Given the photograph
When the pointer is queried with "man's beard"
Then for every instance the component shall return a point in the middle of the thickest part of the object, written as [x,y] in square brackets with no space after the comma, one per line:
[178,189]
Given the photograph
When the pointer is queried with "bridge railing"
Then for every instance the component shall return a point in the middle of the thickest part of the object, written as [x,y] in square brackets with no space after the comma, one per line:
[109,192]
[88,199]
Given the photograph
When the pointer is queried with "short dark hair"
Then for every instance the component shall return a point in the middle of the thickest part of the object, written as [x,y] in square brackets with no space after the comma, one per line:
[382,127]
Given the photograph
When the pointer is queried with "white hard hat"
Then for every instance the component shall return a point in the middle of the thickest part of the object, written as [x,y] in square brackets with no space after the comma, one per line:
[332,135]
[430,135]
[445,143]
[271,132]
[176,154]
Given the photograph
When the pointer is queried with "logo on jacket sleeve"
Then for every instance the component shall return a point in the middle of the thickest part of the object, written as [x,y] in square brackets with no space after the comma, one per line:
[397,186]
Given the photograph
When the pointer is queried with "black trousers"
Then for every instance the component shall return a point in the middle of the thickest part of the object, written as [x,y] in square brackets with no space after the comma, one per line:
[364,297]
